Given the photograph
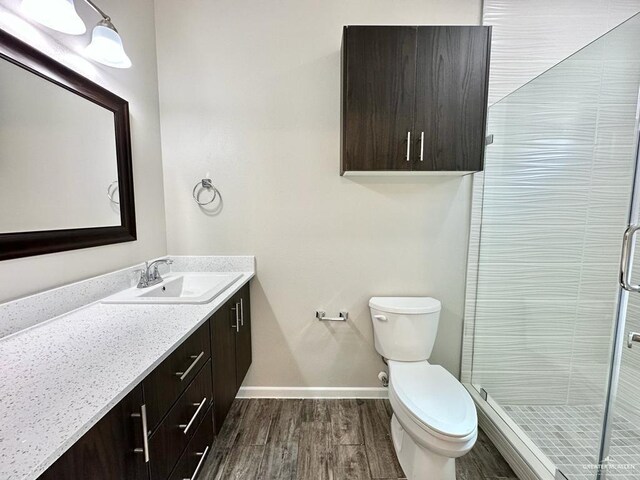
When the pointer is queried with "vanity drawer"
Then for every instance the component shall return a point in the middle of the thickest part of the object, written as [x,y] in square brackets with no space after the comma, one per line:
[174,432]
[165,384]
[192,460]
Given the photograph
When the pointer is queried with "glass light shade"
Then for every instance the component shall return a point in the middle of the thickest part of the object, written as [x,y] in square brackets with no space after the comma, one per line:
[106,46]
[59,15]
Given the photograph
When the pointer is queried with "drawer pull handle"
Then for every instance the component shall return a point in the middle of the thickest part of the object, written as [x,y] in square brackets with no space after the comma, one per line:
[145,438]
[236,310]
[241,313]
[184,374]
[202,456]
[186,427]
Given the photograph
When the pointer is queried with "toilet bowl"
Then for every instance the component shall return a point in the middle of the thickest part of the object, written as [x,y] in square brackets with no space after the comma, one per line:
[434,418]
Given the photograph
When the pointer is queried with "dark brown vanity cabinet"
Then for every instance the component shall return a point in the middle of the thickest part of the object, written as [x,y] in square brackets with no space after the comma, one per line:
[164,428]
[231,347]
[414,98]
[113,449]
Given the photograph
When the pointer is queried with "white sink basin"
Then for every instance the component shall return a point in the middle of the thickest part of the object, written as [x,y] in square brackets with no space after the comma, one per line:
[179,288]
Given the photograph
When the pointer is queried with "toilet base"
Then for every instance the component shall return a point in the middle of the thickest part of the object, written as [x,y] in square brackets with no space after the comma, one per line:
[418,462]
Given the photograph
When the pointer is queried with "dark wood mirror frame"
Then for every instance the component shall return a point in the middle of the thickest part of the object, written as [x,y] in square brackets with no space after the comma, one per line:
[24,244]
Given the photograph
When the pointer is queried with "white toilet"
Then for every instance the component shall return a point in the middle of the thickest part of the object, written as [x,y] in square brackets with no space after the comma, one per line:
[434,418]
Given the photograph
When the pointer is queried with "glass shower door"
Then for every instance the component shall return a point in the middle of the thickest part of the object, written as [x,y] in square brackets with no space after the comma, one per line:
[557,195]
[620,456]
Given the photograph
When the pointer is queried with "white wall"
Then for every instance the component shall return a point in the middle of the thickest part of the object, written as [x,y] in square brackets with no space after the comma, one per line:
[530,37]
[138,85]
[250,93]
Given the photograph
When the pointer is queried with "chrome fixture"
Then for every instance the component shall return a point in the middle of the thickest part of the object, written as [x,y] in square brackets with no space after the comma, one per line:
[150,275]
[61,15]
[205,184]
[384,378]
[626,259]
[408,146]
[196,359]
[145,433]
[634,337]
[320,315]
[202,456]
[422,147]
[111,191]
[186,426]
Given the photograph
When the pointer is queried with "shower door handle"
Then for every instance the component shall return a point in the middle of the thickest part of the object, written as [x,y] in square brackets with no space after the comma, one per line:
[625,261]
[633,338]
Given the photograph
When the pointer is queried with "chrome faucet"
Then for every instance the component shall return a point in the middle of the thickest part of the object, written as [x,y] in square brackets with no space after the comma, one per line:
[150,275]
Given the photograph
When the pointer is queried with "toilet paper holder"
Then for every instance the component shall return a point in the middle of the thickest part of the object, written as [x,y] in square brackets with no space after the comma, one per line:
[321,315]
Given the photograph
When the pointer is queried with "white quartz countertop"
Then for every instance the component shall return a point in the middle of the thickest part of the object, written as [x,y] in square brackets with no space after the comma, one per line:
[59,378]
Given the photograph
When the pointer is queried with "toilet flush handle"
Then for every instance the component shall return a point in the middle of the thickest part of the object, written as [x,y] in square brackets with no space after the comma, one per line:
[382,318]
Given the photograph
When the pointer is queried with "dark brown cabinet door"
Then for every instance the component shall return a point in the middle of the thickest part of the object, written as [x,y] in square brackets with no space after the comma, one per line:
[243,337]
[111,450]
[223,351]
[451,98]
[379,75]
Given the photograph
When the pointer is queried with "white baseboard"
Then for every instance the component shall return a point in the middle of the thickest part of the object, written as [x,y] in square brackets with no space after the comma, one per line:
[312,392]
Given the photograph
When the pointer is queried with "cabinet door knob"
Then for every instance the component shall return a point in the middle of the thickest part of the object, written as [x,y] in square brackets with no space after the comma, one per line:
[408,146]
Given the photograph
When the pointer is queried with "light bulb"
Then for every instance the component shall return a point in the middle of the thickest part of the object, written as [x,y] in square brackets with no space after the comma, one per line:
[59,15]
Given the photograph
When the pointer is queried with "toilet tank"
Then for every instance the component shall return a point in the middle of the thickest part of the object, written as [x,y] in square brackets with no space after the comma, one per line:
[405,328]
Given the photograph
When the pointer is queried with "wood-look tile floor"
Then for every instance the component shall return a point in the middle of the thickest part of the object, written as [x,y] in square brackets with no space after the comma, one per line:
[271,439]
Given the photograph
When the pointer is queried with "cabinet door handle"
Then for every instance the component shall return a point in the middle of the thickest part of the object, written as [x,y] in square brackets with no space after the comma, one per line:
[237,324]
[187,426]
[422,147]
[202,456]
[184,374]
[408,146]
[241,313]
[145,438]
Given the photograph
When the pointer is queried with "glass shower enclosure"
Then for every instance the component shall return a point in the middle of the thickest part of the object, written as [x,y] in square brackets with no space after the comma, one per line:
[549,311]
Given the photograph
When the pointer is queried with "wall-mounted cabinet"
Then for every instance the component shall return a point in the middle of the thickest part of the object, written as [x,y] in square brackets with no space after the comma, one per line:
[414,99]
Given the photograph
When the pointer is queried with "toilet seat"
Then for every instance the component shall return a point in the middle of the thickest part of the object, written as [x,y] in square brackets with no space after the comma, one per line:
[434,400]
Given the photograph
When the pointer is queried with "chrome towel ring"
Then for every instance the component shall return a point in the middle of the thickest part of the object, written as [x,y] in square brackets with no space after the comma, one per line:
[111,191]
[205,184]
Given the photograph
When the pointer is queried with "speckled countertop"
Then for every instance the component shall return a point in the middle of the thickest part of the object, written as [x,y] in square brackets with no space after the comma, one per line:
[59,378]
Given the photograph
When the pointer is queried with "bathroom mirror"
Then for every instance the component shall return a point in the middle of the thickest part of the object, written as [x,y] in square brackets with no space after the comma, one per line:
[65,157]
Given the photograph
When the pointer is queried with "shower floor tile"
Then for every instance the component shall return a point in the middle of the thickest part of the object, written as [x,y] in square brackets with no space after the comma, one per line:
[570,437]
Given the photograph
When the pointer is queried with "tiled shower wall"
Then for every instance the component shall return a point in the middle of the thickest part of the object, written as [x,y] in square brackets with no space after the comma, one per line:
[531,36]
[557,187]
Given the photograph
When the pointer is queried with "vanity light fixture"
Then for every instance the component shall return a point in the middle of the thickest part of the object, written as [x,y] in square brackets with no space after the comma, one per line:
[106,46]
[61,15]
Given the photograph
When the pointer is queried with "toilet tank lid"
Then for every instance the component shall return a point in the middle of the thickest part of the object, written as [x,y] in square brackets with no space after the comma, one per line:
[406,305]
